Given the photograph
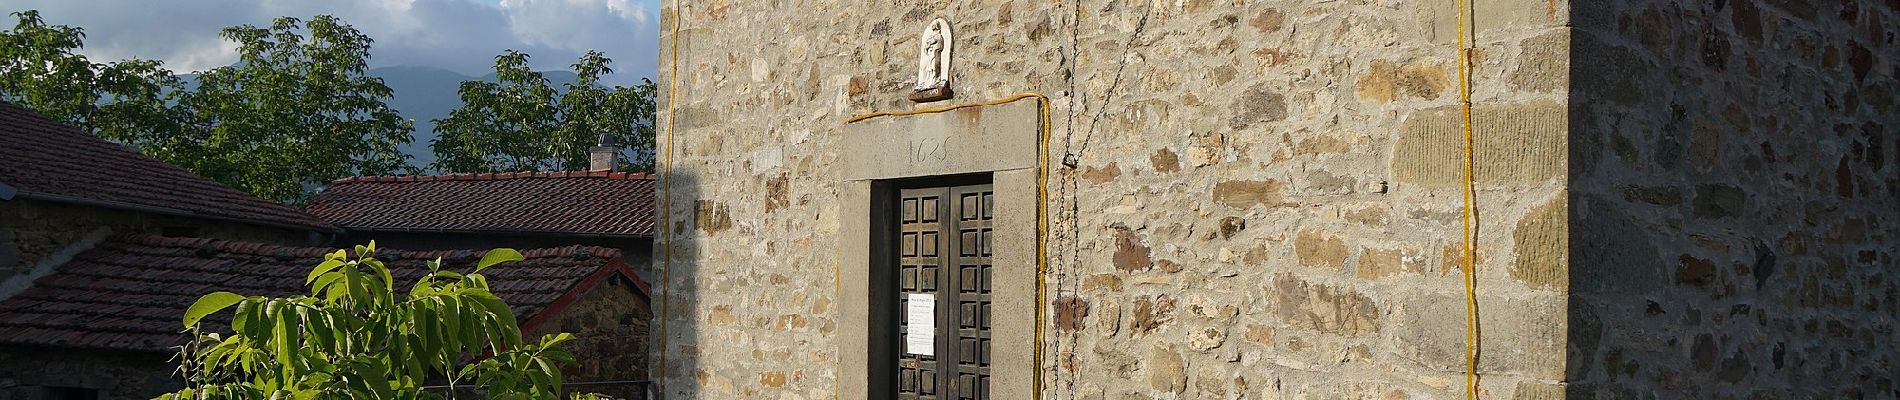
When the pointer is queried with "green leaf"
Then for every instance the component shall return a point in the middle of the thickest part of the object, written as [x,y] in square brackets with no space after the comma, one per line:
[451,317]
[471,328]
[553,374]
[427,328]
[321,269]
[555,339]
[324,331]
[498,256]
[449,275]
[240,317]
[389,282]
[324,282]
[208,304]
[359,290]
[280,340]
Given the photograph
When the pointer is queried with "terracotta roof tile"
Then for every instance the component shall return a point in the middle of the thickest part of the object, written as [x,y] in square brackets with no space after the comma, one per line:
[129,292]
[565,202]
[45,159]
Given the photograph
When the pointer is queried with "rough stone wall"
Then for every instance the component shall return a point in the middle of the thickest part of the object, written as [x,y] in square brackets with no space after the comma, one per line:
[1264,201]
[31,229]
[610,324]
[25,372]
[1737,201]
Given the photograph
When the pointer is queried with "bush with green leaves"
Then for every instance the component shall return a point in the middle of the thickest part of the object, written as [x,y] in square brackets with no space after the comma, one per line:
[354,336]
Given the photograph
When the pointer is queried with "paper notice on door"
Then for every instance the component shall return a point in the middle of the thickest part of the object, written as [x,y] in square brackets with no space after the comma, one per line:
[920,316]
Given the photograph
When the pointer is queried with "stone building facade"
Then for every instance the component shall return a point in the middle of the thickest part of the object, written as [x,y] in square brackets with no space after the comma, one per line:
[1263,199]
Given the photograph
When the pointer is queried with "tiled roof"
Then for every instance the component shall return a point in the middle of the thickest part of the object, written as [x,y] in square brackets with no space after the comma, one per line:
[129,293]
[579,202]
[44,159]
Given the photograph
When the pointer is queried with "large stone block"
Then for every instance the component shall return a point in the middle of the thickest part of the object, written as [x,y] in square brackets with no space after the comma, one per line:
[1543,64]
[1719,201]
[969,140]
[1325,309]
[1377,263]
[1130,253]
[1256,105]
[1166,371]
[1386,81]
[1319,250]
[1517,336]
[1438,19]
[1244,194]
[1541,258]
[1530,390]
[1521,144]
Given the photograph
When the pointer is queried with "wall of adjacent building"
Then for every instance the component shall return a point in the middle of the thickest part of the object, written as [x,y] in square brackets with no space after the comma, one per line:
[30,371]
[611,324]
[30,230]
[1265,199]
[1736,198]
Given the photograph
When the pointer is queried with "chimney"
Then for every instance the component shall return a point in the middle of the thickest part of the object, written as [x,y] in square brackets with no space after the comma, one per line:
[604,156]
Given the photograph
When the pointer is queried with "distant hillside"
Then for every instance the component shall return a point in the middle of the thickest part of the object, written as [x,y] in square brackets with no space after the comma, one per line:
[425,94]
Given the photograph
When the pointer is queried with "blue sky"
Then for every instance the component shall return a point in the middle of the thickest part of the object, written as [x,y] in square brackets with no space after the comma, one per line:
[459,35]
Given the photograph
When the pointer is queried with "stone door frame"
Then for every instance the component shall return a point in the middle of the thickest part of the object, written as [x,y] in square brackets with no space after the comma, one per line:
[1002,141]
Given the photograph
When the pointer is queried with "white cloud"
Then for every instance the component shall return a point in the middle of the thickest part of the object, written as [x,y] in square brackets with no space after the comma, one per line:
[581,25]
[460,35]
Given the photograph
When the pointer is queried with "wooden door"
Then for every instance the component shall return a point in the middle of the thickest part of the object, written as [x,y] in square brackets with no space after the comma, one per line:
[944,257]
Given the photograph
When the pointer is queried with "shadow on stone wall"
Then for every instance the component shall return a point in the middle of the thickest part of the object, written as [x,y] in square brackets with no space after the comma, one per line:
[1733,201]
[676,294]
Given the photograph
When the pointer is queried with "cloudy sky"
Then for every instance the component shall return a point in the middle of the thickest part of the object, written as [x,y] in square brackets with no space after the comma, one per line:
[459,35]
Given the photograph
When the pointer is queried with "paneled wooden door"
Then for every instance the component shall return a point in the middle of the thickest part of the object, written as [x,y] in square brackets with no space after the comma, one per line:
[943,257]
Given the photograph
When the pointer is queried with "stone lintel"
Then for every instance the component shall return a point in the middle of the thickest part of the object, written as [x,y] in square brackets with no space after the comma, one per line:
[969,140]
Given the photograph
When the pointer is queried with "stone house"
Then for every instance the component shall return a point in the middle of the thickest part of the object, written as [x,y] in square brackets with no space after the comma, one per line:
[101,248]
[63,190]
[601,208]
[105,323]
[1266,199]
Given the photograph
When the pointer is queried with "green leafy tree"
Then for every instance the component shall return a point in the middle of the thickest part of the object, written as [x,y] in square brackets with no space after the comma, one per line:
[356,336]
[521,122]
[294,113]
[129,101]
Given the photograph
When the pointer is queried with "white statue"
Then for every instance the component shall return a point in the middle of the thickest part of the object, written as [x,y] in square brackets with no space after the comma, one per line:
[933,59]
